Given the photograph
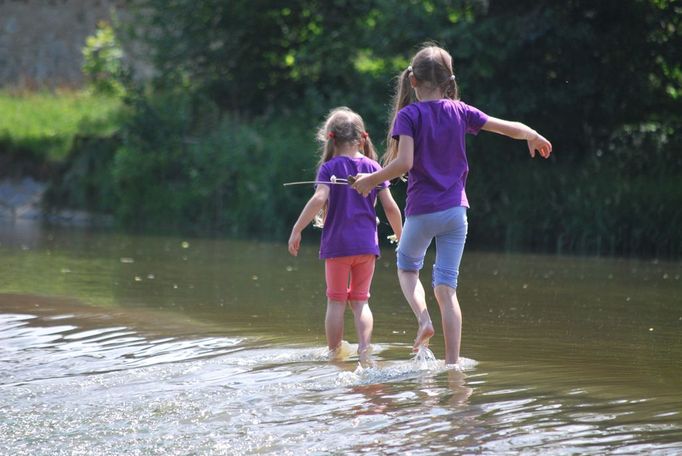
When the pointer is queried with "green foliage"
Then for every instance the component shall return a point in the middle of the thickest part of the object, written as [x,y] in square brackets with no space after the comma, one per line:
[620,200]
[103,62]
[240,87]
[185,166]
[577,70]
[249,57]
[84,180]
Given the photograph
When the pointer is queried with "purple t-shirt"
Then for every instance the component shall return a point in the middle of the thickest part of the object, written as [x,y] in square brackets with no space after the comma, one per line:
[439,171]
[350,227]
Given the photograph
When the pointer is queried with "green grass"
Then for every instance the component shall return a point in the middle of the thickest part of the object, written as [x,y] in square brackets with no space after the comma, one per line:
[43,125]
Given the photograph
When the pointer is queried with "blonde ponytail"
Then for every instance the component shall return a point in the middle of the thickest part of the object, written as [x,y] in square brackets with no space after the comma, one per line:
[403,96]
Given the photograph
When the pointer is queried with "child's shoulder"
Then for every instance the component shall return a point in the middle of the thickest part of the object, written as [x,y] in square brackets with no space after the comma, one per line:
[457,105]
[369,162]
[462,106]
[334,160]
[421,107]
[342,161]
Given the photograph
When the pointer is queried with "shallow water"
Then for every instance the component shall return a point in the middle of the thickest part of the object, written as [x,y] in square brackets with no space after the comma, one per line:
[114,344]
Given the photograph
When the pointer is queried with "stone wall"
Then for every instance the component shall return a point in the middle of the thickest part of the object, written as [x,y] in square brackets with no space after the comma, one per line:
[41,41]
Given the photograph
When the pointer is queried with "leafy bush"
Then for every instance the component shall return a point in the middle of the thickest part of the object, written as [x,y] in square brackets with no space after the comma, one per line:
[184,166]
[238,91]
[84,180]
[103,62]
[620,200]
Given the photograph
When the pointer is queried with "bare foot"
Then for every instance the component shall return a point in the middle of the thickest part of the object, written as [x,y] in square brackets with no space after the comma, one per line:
[365,357]
[423,335]
[340,353]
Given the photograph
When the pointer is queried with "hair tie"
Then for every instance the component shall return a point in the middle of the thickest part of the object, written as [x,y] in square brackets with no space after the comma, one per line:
[453,77]
[365,134]
[409,68]
[331,135]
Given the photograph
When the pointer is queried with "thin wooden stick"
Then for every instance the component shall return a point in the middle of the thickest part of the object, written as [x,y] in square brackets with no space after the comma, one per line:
[338,182]
[335,181]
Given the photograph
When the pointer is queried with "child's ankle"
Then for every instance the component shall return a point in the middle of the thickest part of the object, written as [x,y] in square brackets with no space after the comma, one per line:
[425,323]
[364,350]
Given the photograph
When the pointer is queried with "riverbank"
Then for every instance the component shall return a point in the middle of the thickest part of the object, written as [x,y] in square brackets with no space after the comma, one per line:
[181,164]
[22,199]
[38,131]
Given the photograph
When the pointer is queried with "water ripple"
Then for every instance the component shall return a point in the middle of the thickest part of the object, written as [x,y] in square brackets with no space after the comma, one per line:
[71,389]
[32,350]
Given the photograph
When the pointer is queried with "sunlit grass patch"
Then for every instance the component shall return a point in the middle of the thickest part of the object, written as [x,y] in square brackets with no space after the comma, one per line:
[43,124]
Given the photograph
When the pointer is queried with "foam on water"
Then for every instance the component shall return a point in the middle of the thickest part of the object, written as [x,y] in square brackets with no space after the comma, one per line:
[289,354]
[423,362]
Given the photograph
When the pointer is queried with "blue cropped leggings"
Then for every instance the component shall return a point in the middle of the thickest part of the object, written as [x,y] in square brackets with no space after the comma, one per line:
[449,227]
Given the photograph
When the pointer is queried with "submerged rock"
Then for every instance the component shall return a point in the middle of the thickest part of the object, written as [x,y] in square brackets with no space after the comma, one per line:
[22,199]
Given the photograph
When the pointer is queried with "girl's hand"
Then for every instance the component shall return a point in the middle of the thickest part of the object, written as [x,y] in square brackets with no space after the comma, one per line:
[539,143]
[294,242]
[363,184]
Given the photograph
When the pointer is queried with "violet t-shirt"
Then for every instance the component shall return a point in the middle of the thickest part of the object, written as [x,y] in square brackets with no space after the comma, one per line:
[439,171]
[350,227]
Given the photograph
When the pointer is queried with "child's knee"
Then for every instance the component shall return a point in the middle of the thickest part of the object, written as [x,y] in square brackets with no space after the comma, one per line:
[359,305]
[358,296]
[444,276]
[407,263]
[338,296]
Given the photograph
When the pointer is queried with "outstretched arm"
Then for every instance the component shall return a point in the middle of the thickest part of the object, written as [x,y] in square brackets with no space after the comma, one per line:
[392,212]
[402,164]
[312,207]
[517,130]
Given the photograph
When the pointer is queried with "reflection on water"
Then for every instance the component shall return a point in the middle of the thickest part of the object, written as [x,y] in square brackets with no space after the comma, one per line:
[113,344]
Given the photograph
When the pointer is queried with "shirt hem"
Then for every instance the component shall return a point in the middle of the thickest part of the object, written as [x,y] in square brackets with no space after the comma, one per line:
[435,209]
[345,253]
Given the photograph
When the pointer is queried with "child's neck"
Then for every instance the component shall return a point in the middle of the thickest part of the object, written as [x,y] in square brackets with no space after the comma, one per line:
[347,150]
[429,95]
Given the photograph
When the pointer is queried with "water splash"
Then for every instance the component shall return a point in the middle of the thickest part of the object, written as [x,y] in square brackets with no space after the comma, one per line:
[423,362]
[342,352]
[424,359]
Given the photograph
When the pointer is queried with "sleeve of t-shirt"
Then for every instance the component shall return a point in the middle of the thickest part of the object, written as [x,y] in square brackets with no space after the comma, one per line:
[403,124]
[384,184]
[323,175]
[475,119]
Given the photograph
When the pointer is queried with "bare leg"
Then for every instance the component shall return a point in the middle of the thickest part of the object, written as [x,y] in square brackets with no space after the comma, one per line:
[414,293]
[452,321]
[333,323]
[364,322]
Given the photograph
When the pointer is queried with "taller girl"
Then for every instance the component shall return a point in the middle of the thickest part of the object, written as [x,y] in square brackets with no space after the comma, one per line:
[427,141]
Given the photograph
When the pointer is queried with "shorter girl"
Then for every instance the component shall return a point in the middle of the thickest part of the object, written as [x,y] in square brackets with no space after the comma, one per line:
[349,243]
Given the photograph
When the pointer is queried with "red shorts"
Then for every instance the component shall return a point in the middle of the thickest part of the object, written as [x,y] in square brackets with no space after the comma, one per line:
[358,268]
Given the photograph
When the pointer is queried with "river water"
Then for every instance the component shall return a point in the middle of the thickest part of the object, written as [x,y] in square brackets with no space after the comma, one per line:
[119,344]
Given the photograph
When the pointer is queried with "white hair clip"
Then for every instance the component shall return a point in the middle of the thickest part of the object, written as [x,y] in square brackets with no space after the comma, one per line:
[409,68]
[453,77]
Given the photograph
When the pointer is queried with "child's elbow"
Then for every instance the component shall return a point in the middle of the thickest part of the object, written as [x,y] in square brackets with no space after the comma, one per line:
[404,165]
[319,199]
[392,210]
